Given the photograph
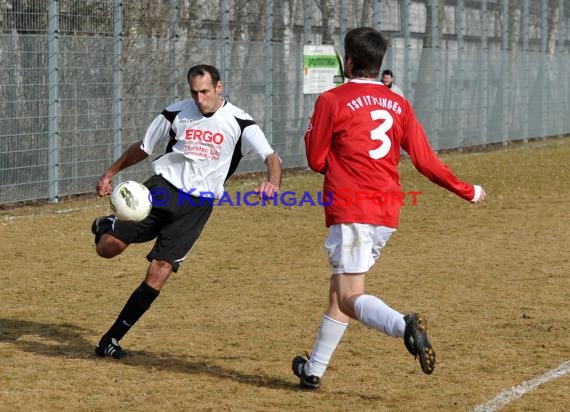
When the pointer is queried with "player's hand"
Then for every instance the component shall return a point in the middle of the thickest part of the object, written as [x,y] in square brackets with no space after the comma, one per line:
[480,194]
[268,189]
[104,186]
[483,195]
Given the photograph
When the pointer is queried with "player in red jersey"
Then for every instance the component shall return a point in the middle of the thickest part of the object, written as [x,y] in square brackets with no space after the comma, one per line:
[354,139]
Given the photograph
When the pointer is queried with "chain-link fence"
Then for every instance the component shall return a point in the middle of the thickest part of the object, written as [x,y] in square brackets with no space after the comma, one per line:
[80,80]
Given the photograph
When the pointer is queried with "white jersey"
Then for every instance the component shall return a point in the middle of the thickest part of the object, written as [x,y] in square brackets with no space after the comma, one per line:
[203,152]
[397,90]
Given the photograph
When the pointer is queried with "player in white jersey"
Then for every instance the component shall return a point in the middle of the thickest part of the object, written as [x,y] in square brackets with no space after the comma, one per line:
[206,137]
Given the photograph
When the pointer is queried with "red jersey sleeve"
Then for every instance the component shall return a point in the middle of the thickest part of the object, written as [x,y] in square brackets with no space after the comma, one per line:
[426,162]
[318,137]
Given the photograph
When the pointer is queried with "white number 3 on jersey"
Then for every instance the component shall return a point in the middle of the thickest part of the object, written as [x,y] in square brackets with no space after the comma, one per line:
[380,133]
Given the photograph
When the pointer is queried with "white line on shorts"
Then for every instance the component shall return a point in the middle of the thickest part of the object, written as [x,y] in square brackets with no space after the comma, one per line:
[510,395]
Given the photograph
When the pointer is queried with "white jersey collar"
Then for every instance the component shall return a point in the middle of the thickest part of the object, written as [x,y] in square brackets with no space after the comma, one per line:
[369,81]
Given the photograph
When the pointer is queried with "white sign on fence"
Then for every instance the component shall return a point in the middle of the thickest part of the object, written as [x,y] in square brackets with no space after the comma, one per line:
[322,69]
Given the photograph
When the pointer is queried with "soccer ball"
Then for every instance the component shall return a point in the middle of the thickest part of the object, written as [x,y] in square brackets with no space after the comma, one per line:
[131,201]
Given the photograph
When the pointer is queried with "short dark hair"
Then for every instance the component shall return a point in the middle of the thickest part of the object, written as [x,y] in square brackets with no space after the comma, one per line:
[202,69]
[366,47]
[387,72]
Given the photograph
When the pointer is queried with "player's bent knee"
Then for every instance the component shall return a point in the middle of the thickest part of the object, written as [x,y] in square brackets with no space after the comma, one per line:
[109,247]
[344,308]
[106,252]
[346,305]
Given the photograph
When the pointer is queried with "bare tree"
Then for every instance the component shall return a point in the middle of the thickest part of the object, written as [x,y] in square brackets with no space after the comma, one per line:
[329,23]
[365,16]
[428,65]
[554,24]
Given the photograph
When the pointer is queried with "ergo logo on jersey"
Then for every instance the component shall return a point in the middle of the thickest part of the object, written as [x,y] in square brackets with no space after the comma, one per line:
[204,136]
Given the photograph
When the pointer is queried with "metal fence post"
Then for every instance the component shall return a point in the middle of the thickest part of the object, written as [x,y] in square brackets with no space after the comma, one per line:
[174,17]
[407,47]
[117,103]
[307,39]
[561,65]
[505,71]
[460,29]
[225,49]
[268,120]
[525,34]
[436,91]
[53,101]
[483,73]
[543,75]
[561,68]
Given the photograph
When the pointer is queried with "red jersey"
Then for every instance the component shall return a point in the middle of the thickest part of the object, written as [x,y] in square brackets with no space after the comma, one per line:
[354,139]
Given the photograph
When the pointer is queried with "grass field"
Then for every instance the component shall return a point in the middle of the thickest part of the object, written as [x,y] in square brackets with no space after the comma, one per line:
[493,280]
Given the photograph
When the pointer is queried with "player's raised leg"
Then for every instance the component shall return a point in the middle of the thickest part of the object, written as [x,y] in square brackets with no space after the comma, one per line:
[107,245]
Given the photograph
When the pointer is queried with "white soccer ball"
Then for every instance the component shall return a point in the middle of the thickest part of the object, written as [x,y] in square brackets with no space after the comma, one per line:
[131,201]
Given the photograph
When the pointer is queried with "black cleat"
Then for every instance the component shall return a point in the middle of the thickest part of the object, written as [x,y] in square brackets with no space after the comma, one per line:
[416,341]
[109,347]
[307,382]
[102,225]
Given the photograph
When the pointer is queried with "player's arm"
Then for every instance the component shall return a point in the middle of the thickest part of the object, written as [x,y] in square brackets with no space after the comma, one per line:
[426,162]
[318,137]
[131,156]
[271,186]
[254,141]
[157,131]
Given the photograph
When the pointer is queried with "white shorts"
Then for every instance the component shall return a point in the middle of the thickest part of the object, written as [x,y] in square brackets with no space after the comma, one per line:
[354,247]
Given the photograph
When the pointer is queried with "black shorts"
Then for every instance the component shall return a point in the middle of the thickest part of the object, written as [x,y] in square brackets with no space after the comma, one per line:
[175,220]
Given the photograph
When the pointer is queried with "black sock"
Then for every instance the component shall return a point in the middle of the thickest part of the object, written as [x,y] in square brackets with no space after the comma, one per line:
[136,306]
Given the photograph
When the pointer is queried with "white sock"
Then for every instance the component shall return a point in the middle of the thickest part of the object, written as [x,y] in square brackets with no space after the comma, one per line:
[329,336]
[377,315]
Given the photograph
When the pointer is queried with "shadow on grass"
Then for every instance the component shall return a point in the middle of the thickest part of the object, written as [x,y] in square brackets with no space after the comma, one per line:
[68,341]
